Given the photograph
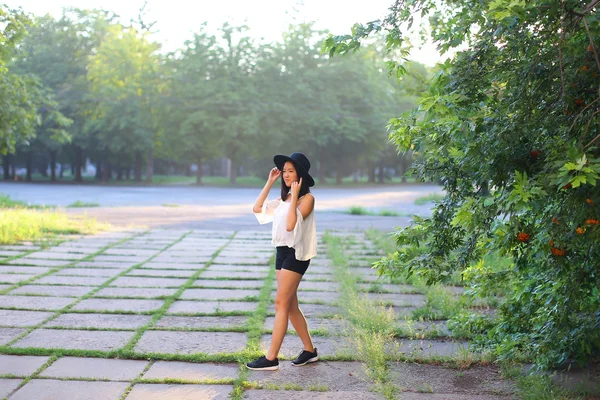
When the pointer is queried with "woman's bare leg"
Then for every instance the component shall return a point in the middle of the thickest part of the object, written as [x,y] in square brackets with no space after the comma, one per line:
[299,322]
[287,285]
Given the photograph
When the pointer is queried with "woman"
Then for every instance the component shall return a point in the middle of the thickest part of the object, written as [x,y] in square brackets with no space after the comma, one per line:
[295,237]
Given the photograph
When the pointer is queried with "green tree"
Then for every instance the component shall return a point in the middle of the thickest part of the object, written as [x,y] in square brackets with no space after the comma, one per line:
[509,126]
[125,84]
[23,99]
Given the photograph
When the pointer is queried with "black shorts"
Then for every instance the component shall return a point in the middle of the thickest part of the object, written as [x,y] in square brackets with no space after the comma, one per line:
[286,259]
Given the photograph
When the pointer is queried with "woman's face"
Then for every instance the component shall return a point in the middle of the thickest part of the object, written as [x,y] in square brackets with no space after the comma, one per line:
[289,173]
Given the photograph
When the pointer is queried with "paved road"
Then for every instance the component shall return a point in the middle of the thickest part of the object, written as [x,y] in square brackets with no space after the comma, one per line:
[222,208]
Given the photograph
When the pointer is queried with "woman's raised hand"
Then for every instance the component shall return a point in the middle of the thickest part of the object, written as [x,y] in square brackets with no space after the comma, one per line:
[274,174]
[295,189]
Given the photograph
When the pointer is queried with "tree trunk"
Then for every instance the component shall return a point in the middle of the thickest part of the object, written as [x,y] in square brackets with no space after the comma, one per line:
[138,166]
[29,165]
[149,166]
[233,172]
[380,175]
[13,167]
[128,173]
[78,163]
[199,172]
[53,166]
[372,174]
[6,166]
[106,172]
[99,168]
[62,171]
[338,175]
[119,173]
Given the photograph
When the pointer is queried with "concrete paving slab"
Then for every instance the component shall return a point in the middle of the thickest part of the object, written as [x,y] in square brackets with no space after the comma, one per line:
[146,293]
[34,302]
[22,318]
[319,286]
[242,260]
[96,264]
[96,272]
[202,322]
[234,274]
[179,392]
[309,276]
[192,371]
[398,300]
[218,294]
[95,368]
[334,375]
[20,365]
[48,290]
[116,305]
[48,255]
[174,266]
[128,281]
[23,269]
[42,263]
[191,342]
[7,386]
[182,259]
[71,280]
[167,273]
[210,307]
[228,283]
[427,348]
[126,251]
[120,259]
[15,278]
[254,394]
[74,339]
[450,396]
[99,321]
[477,380]
[4,286]
[8,334]
[381,287]
[50,389]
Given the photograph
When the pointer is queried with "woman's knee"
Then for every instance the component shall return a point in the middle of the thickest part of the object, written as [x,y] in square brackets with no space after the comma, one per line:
[282,303]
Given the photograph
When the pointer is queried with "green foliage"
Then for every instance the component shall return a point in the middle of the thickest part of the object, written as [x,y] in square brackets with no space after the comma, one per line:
[510,128]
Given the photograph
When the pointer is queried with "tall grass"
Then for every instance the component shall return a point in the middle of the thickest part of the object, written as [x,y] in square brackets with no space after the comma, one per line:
[23,224]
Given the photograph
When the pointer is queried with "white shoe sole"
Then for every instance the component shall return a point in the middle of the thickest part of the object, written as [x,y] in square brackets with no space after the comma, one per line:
[310,360]
[274,368]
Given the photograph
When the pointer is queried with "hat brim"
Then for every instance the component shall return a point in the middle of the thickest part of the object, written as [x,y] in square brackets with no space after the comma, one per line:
[280,161]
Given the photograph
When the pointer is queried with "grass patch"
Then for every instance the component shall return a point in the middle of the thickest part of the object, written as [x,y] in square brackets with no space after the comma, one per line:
[23,224]
[80,203]
[358,210]
[536,386]
[372,327]
[430,197]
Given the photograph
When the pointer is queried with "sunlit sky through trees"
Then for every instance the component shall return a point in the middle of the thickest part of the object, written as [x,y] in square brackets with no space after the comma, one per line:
[176,20]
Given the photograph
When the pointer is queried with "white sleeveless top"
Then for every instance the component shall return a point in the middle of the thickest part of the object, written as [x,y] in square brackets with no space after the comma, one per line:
[304,236]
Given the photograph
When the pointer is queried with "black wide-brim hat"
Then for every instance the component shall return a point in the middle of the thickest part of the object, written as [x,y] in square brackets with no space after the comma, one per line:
[300,161]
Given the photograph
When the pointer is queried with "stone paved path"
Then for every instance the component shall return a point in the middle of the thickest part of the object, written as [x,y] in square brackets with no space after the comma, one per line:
[164,314]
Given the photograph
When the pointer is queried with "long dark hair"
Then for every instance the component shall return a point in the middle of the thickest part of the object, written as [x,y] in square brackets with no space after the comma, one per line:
[303,189]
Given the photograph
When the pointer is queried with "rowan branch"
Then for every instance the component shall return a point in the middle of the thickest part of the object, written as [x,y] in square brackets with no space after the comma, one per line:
[592,142]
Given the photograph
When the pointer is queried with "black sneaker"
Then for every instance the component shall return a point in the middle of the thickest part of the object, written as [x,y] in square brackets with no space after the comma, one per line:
[264,364]
[306,357]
